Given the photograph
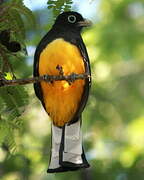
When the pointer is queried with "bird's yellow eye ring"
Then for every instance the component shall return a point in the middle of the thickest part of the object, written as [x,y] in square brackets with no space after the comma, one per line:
[71,19]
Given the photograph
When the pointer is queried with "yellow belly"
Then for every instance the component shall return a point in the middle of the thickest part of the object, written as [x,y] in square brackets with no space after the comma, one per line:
[61,99]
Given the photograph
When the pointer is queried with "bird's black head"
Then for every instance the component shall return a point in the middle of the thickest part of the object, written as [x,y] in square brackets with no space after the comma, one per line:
[71,20]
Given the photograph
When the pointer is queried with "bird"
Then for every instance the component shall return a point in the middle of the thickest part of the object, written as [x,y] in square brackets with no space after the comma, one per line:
[62,51]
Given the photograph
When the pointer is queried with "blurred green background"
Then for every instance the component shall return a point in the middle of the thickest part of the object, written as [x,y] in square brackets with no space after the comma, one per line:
[113,120]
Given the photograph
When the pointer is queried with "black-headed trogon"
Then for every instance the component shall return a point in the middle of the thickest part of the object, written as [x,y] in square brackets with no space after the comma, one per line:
[62,49]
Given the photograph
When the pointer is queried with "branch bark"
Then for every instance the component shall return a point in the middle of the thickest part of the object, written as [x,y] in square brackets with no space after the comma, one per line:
[48,78]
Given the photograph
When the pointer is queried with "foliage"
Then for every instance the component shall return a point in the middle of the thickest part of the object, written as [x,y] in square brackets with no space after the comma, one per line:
[59,6]
[12,99]
[113,120]
[12,107]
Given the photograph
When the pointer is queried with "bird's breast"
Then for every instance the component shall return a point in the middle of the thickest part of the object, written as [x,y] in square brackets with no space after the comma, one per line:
[61,99]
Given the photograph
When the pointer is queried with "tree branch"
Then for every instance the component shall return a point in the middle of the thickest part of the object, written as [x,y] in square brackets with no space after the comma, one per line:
[48,78]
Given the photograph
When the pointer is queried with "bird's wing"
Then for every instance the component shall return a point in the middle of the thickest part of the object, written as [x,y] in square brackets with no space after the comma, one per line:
[81,46]
[37,87]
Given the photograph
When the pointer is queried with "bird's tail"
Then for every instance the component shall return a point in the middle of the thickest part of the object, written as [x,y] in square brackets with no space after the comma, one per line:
[67,152]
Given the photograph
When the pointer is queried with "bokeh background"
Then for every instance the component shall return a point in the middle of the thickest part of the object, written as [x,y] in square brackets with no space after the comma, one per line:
[113,120]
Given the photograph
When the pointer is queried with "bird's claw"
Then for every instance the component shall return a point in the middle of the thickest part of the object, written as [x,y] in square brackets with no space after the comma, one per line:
[60,69]
[72,78]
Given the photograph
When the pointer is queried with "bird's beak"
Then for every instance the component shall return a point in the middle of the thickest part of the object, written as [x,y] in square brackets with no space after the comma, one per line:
[84,23]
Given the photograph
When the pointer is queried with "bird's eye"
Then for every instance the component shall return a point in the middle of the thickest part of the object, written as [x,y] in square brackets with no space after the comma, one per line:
[71,19]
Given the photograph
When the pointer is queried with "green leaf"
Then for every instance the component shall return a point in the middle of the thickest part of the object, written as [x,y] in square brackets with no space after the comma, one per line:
[18,21]
[22,9]
[59,6]
[12,104]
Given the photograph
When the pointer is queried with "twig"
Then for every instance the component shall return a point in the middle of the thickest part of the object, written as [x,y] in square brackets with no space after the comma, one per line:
[48,78]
